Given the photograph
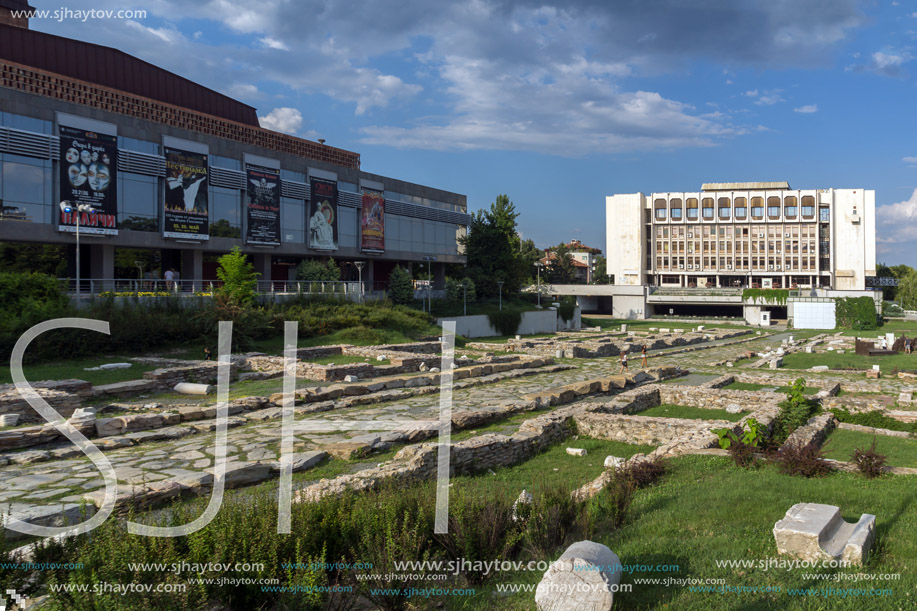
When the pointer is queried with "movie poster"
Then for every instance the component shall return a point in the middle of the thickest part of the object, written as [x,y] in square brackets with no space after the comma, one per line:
[88,175]
[186,207]
[323,214]
[263,206]
[372,222]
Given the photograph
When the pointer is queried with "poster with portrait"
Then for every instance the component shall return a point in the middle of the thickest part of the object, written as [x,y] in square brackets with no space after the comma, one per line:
[262,206]
[323,214]
[88,176]
[187,208]
[372,222]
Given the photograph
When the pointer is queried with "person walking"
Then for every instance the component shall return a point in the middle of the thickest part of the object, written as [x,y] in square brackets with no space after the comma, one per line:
[643,355]
[168,278]
[907,345]
[623,362]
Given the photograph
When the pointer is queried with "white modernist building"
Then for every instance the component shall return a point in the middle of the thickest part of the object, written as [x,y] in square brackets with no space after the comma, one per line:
[754,235]
[737,236]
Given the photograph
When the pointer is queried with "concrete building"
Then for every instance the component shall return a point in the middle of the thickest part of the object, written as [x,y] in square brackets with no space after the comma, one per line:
[734,236]
[584,258]
[166,166]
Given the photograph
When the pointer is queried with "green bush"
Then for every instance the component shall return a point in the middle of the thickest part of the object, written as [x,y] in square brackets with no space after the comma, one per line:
[567,308]
[400,286]
[27,299]
[892,309]
[795,411]
[240,281]
[505,321]
[858,313]
[312,270]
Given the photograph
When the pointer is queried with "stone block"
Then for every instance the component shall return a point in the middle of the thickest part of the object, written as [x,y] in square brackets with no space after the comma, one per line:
[815,532]
[190,388]
[576,451]
[347,450]
[872,374]
[128,387]
[613,462]
[584,563]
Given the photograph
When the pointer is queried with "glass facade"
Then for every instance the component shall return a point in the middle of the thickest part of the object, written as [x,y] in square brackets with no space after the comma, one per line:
[225,212]
[25,188]
[138,202]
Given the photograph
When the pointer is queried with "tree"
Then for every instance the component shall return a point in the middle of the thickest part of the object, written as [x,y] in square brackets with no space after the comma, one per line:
[312,270]
[528,255]
[495,251]
[600,272]
[561,267]
[239,278]
[400,286]
[907,291]
[38,258]
[460,290]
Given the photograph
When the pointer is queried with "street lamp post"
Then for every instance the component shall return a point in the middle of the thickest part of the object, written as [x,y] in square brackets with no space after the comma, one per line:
[538,266]
[360,265]
[429,261]
[465,297]
[500,287]
[67,208]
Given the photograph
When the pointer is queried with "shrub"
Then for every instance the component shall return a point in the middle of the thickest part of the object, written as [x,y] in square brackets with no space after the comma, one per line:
[892,309]
[805,459]
[481,529]
[552,520]
[240,280]
[312,270]
[505,321]
[869,462]
[567,308]
[400,286]
[856,313]
[795,411]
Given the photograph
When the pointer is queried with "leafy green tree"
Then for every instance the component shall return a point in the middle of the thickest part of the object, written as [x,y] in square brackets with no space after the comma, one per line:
[528,255]
[400,286]
[495,251]
[37,258]
[240,280]
[600,272]
[907,291]
[561,268]
[312,270]
[460,290]
[222,229]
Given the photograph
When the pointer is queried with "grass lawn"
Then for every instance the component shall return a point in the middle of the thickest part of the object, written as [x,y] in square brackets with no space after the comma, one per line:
[898,326]
[707,510]
[64,370]
[692,413]
[900,452]
[810,390]
[849,360]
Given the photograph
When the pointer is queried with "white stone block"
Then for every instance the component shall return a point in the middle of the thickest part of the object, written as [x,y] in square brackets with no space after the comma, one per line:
[813,532]
[525,498]
[9,420]
[613,462]
[819,368]
[576,451]
[584,577]
[351,378]
[189,388]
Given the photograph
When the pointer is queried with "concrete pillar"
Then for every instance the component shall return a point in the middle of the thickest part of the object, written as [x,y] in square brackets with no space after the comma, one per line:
[192,268]
[262,263]
[369,275]
[439,275]
[102,265]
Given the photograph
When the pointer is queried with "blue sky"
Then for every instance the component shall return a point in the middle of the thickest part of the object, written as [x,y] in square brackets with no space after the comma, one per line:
[560,104]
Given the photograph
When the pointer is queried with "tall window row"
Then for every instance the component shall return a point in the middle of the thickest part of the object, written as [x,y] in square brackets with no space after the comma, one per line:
[789,208]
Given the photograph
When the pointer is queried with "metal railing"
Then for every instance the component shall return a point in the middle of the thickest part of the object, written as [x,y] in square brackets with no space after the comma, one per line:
[118,287]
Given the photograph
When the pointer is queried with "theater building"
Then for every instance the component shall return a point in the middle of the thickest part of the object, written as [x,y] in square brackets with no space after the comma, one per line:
[163,165]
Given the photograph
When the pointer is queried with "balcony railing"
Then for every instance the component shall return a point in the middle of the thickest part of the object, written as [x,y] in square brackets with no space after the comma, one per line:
[120,287]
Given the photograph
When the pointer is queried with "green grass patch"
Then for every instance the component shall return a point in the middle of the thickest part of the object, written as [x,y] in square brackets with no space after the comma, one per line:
[899,452]
[850,360]
[896,326]
[707,510]
[692,413]
[809,390]
[64,370]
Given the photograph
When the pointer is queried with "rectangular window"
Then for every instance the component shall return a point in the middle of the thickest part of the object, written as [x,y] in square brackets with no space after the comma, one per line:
[724,213]
[824,214]
[660,214]
[691,204]
[676,214]
[140,146]
[708,207]
[741,209]
[789,207]
[808,206]
[138,202]
[757,208]
[773,207]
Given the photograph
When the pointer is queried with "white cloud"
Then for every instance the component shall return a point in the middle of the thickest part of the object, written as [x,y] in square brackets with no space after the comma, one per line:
[887,62]
[897,227]
[807,109]
[901,211]
[273,43]
[909,160]
[752,93]
[286,120]
[769,98]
